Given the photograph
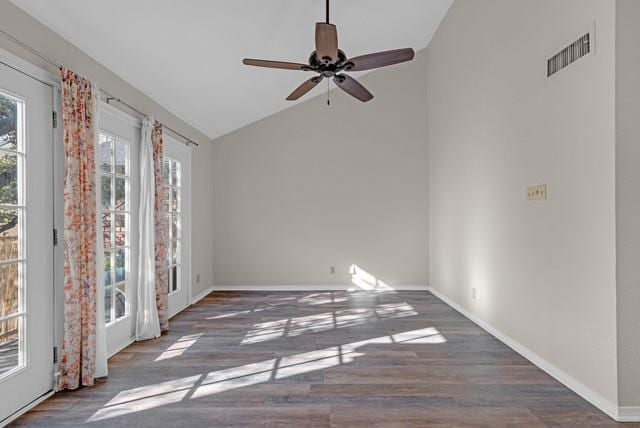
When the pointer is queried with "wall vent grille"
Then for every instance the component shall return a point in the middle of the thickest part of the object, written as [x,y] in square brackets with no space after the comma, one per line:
[569,55]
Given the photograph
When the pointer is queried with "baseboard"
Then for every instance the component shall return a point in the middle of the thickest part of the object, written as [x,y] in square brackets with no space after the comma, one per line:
[628,414]
[121,347]
[309,287]
[570,382]
[195,299]
[25,409]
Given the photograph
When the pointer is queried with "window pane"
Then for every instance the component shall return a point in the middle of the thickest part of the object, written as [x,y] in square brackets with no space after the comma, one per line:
[165,170]
[121,230]
[9,287]
[175,252]
[168,220]
[175,173]
[174,278]
[9,234]
[105,155]
[170,280]
[106,230]
[108,279]
[121,264]
[9,344]
[175,226]
[8,178]
[121,300]
[167,201]
[108,300]
[175,199]
[122,158]
[106,190]
[8,123]
[121,194]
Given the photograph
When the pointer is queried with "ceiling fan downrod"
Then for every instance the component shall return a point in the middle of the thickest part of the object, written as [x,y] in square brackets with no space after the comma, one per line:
[327,11]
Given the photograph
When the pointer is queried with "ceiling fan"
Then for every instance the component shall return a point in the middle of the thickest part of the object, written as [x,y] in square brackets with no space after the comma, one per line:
[330,62]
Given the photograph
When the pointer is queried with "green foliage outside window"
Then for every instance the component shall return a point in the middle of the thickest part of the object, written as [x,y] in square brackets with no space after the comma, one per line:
[8,163]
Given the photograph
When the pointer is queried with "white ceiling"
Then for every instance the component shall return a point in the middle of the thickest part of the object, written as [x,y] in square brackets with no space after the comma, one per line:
[186,55]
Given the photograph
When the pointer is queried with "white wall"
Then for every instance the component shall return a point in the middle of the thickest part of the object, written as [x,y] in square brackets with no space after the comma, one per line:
[545,272]
[317,186]
[202,218]
[628,198]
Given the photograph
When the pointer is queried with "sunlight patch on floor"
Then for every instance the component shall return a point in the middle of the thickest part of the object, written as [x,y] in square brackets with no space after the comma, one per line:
[203,385]
[296,326]
[179,347]
[311,300]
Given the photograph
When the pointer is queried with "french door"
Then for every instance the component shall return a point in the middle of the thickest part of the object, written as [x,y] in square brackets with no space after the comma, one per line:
[26,244]
[119,177]
[177,174]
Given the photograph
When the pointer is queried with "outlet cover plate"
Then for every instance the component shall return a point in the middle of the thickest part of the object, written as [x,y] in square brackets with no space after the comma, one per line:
[537,193]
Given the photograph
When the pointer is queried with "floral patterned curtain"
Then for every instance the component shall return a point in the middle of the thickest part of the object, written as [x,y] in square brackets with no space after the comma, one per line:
[78,358]
[161,229]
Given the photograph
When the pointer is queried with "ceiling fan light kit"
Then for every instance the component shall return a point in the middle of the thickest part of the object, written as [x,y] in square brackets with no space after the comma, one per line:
[331,63]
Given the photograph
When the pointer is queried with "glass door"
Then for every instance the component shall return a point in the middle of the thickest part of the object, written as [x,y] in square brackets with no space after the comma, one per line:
[26,244]
[117,156]
[176,168]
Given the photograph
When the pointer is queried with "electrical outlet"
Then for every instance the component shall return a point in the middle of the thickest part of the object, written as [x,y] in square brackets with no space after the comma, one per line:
[474,294]
[332,270]
[537,193]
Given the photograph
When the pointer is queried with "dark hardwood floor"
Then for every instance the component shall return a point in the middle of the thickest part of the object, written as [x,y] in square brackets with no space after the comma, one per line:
[321,359]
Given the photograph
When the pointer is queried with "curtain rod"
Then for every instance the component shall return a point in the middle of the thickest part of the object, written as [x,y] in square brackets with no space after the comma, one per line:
[110,97]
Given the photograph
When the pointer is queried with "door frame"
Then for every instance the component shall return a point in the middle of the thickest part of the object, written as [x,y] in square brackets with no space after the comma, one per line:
[174,148]
[50,79]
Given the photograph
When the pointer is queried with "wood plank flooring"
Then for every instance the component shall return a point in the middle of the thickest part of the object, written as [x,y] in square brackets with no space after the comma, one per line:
[320,359]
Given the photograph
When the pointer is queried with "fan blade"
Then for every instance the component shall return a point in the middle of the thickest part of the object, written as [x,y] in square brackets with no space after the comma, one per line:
[304,88]
[380,59]
[352,87]
[327,41]
[274,64]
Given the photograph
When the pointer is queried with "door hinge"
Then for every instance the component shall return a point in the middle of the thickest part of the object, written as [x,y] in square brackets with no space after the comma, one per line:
[55,237]
[55,355]
[55,118]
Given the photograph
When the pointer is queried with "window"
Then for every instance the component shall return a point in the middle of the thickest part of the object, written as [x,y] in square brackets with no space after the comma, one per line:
[114,161]
[12,251]
[172,175]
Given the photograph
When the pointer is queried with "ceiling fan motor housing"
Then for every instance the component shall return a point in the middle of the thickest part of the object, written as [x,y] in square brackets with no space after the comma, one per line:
[328,69]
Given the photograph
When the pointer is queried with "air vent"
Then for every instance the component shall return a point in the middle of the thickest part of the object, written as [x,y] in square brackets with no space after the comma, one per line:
[569,55]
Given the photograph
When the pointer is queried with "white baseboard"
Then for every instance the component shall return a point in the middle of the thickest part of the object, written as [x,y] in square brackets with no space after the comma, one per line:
[201,295]
[628,414]
[121,347]
[309,288]
[570,382]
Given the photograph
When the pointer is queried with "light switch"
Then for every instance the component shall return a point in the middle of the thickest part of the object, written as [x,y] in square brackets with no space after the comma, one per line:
[537,193]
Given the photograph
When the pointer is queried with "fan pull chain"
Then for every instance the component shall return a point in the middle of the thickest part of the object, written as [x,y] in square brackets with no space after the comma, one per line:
[328,88]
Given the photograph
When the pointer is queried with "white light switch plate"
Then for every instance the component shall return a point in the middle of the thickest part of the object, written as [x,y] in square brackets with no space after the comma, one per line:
[537,193]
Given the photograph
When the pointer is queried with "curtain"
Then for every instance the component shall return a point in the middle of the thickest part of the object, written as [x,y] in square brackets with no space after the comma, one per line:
[78,358]
[161,229]
[147,322]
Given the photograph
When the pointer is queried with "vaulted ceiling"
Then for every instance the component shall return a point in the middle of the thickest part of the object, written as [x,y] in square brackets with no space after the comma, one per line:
[186,55]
